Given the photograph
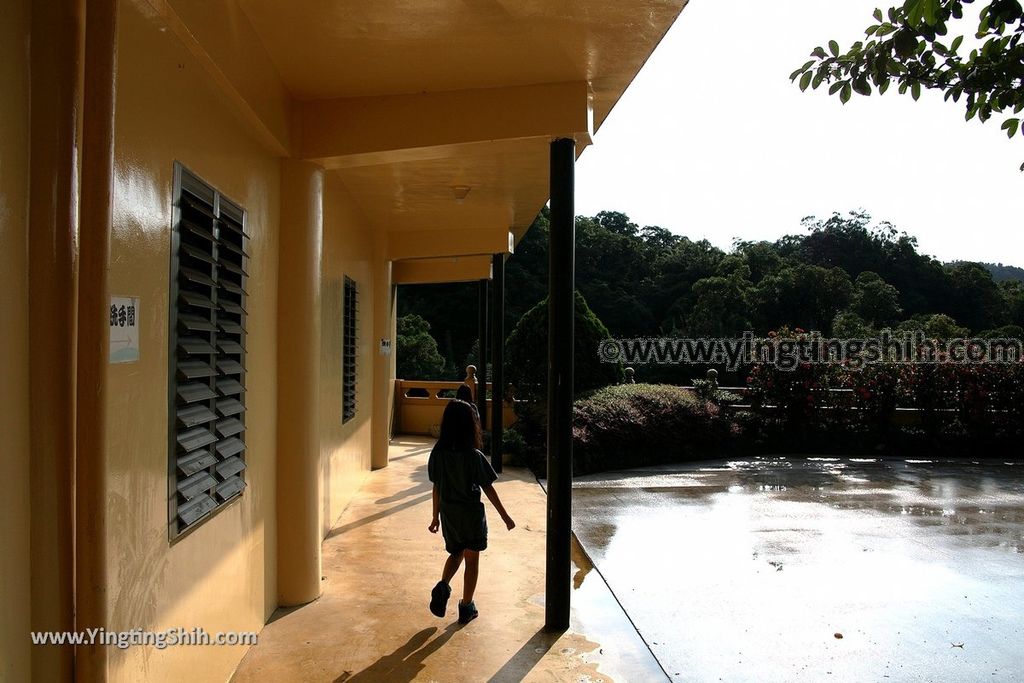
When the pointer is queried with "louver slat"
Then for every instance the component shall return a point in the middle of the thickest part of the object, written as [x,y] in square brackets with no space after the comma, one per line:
[232,267]
[230,467]
[229,488]
[195,229]
[193,510]
[230,427]
[235,248]
[196,276]
[192,486]
[197,205]
[195,438]
[198,253]
[229,406]
[229,387]
[230,446]
[191,416]
[230,346]
[232,308]
[196,323]
[196,462]
[195,299]
[195,345]
[194,369]
[230,367]
[230,327]
[194,391]
[232,287]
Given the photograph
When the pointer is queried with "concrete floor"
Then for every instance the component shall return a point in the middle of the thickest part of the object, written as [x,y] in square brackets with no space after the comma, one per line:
[825,569]
[380,562]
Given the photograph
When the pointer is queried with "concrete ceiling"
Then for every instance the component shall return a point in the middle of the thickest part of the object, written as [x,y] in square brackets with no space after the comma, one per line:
[344,48]
[404,99]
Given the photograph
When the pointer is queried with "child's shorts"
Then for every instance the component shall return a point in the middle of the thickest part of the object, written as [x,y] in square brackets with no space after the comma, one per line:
[454,547]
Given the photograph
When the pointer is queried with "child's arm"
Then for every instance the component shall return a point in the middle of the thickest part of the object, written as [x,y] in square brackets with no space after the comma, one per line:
[492,496]
[435,522]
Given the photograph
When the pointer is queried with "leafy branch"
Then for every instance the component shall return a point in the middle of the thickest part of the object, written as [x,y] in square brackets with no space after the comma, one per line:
[907,46]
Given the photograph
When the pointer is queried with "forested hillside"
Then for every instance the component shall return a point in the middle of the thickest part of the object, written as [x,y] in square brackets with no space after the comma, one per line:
[1000,272]
[843,275]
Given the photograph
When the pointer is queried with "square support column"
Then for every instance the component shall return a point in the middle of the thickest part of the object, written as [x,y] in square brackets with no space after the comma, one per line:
[561,292]
[481,370]
[497,358]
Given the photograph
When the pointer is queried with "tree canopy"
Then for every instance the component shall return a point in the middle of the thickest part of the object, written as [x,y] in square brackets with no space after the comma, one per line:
[919,45]
[418,357]
[845,275]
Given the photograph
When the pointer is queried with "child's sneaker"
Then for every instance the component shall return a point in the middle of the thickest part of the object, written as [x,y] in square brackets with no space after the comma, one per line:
[439,598]
[467,612]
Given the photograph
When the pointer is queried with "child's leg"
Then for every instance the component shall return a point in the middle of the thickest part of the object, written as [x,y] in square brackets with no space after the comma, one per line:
[472,571]
[451,565]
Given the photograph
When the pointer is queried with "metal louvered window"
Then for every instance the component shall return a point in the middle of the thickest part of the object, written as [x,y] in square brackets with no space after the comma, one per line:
[348,359]
[206,386]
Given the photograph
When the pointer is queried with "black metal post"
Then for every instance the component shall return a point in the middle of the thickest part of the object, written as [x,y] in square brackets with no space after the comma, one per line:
[497,358]
[561,292]
[481,369]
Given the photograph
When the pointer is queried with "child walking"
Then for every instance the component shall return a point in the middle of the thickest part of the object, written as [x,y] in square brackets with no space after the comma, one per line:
[459,472]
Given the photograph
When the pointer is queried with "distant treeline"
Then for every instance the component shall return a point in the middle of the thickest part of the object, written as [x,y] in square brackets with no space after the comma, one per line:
[845,276]
[1000,272]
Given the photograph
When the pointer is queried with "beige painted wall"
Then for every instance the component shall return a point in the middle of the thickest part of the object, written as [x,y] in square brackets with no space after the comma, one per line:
[221,576]
[345,448]
[14,348]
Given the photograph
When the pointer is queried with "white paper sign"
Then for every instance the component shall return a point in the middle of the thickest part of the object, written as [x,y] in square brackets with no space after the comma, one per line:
[385,346]
[124,329]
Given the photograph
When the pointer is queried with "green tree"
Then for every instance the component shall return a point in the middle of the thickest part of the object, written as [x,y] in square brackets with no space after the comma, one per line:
[908,45]
[875,300]
[849,325]
[976,299]
[1012,292]
[526,352]
[803,296]
[762,258]
[935,326]
[721,306]
[418,357]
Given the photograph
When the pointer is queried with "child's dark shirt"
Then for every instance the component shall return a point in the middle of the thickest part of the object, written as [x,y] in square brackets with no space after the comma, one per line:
[459,476]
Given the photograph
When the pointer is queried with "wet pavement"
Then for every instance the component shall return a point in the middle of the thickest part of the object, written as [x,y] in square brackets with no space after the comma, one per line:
[783,569]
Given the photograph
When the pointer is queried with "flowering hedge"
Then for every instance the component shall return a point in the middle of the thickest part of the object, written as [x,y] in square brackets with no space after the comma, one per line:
[975,404]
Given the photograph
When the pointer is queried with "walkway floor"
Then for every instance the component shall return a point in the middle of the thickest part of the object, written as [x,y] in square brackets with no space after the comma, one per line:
[380,562]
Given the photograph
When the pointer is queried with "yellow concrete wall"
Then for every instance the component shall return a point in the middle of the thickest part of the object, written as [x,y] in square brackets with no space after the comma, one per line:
[345,448]
[14,348]
[221,576]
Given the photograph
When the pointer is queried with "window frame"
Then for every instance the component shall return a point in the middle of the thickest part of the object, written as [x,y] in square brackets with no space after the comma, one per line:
[233,211]
[349,347]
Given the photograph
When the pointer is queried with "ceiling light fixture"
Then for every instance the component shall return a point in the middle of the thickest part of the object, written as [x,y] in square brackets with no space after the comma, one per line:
[460,192]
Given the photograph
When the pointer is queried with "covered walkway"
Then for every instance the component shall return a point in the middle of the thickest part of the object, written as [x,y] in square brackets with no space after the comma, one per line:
[379,562]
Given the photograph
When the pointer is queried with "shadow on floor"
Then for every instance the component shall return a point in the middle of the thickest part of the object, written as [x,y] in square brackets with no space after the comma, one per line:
[418,451]
[411,491]
[338,530]
[527,657]
[402,665]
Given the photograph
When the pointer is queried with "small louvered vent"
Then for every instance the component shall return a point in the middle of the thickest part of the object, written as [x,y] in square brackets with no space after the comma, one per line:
[348,371]
[207,353]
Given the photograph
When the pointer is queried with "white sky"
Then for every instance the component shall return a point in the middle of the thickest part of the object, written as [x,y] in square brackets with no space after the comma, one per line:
[713,141]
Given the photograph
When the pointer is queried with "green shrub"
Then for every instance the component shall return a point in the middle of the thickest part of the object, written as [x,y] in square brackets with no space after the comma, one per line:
[526,352]
[634,425]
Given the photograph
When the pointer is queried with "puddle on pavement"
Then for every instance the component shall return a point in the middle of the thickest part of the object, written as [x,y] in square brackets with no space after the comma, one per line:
[745,570]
